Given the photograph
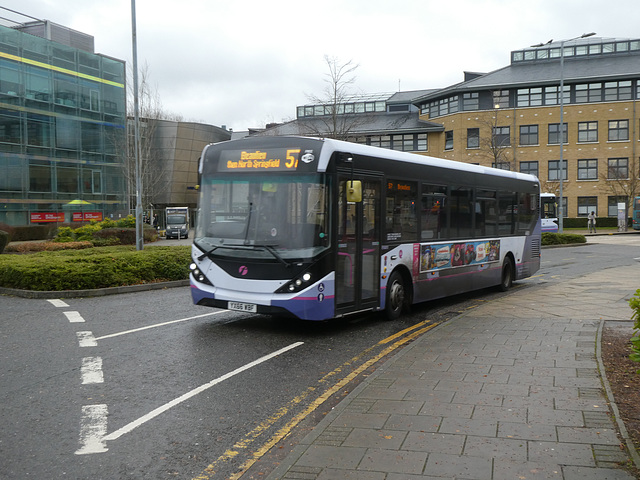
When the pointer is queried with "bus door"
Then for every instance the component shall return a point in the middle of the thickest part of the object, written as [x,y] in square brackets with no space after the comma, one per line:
[358,255]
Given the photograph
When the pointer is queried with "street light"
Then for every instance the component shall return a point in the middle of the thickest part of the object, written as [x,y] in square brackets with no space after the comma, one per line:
[561,93]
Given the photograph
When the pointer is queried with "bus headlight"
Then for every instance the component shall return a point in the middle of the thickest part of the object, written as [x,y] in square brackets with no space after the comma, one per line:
[198,275]
[299,283]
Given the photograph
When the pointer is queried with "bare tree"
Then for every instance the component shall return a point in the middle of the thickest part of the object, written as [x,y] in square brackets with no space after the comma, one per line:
[495,140]
[335,121]
[153,158]
[623,185]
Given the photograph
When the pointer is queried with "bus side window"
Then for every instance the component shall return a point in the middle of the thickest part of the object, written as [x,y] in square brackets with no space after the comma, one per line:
[433,213]
[461,207]
[486,212]
[507,212]
[401,215]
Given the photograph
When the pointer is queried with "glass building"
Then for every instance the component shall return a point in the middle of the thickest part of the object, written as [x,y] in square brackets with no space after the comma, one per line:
[62,128]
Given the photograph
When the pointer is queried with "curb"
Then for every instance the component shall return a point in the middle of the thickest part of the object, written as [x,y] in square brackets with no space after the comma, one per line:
[95,292]
[633,453]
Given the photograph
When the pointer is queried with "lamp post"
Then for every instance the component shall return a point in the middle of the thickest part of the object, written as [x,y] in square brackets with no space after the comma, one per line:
[561,129]
[136,129]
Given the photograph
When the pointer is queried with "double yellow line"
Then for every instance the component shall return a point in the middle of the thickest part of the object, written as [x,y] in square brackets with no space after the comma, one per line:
[404,337]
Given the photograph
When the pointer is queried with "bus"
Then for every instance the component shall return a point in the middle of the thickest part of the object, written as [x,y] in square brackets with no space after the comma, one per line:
[636,213]
[320,228]
[548,212]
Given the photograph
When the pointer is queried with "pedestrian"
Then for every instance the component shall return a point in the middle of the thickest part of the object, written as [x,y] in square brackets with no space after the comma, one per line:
[591,219]
[155,221]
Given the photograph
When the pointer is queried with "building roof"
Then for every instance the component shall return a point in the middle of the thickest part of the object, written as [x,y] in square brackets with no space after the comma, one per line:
[383,123]
[618,66]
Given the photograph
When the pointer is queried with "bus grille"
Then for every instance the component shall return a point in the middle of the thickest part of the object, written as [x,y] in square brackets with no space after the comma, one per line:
[535,248]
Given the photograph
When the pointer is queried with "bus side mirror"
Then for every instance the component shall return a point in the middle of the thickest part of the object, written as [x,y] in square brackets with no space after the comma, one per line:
[354,191]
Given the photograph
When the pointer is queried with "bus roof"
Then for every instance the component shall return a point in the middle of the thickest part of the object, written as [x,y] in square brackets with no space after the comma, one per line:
[329,146]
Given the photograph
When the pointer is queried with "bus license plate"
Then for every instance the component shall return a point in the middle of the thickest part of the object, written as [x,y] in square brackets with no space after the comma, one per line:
[243,307]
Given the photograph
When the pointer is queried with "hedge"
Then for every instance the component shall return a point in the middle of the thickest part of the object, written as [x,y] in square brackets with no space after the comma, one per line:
[94,268]
[549,238]
[603,222]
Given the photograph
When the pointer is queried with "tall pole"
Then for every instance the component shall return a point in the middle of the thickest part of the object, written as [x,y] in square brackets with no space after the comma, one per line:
[560,203]
[136,131]
[561,129]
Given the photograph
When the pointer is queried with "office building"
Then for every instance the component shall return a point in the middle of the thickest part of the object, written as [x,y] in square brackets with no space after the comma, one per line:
[62,126]
[510,118]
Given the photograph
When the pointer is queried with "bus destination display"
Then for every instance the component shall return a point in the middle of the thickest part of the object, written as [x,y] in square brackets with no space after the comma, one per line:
[275,160]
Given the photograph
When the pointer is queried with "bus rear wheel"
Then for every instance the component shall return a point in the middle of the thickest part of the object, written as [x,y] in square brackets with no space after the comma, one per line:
[396,296]
[507,275]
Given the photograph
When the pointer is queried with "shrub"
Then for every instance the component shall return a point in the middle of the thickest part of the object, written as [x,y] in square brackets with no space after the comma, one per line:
[128,222]
[86,232]
[634,303]
[549,238]
[4,240]
[122,236]
[31,247]
[65,234]
[8,229]
[94,268]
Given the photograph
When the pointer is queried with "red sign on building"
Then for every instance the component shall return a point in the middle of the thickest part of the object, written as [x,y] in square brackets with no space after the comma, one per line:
[40,217]
[87,216]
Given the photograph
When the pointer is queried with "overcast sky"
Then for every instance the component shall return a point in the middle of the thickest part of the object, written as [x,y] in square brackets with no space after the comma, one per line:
[244,63]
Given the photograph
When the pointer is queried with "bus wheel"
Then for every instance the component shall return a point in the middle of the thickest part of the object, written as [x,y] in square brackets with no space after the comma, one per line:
[507,275]
[396,296]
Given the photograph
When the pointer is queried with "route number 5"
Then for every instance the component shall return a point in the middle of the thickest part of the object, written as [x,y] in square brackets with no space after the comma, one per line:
[292,161]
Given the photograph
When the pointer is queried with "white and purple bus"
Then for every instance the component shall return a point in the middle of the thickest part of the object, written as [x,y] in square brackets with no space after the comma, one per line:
[319,228]
[548,212]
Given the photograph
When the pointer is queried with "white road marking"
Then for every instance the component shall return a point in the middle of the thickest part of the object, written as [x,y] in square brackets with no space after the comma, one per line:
[74,317]
[154,413]
[160,325]
[93,427]
[86,339]
[91,370]
[57,303]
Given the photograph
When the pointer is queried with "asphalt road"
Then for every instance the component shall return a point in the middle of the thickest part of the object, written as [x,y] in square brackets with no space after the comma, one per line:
[147,385]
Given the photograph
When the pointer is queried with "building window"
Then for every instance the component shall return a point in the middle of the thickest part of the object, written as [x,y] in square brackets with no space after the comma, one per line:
[554,170]
[405,143]
[618,130]
[470,101]
[551,95]
[422,142]
[588,132]
[586,205]
[554,133]
[473,138]
[529,135]
[501,99]
[588,169]
[618,169]
[382,141]
[529,167]
[501,136]
[614,91]
[40,177]
[612,205]
[448,140]
[529,97]
[589,92]
[501,165]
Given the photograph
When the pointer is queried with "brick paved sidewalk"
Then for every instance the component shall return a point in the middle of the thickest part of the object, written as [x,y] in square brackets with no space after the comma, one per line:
[509,390]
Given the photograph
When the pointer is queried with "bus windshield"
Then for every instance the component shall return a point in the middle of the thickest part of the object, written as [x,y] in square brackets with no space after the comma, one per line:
[549,207]
[264,216]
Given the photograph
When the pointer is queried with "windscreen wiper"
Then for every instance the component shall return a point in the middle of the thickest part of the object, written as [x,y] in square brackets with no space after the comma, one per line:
[268,248]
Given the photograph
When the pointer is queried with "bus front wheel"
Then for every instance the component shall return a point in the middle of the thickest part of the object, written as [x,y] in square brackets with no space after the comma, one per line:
[396,296]
[507,275]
